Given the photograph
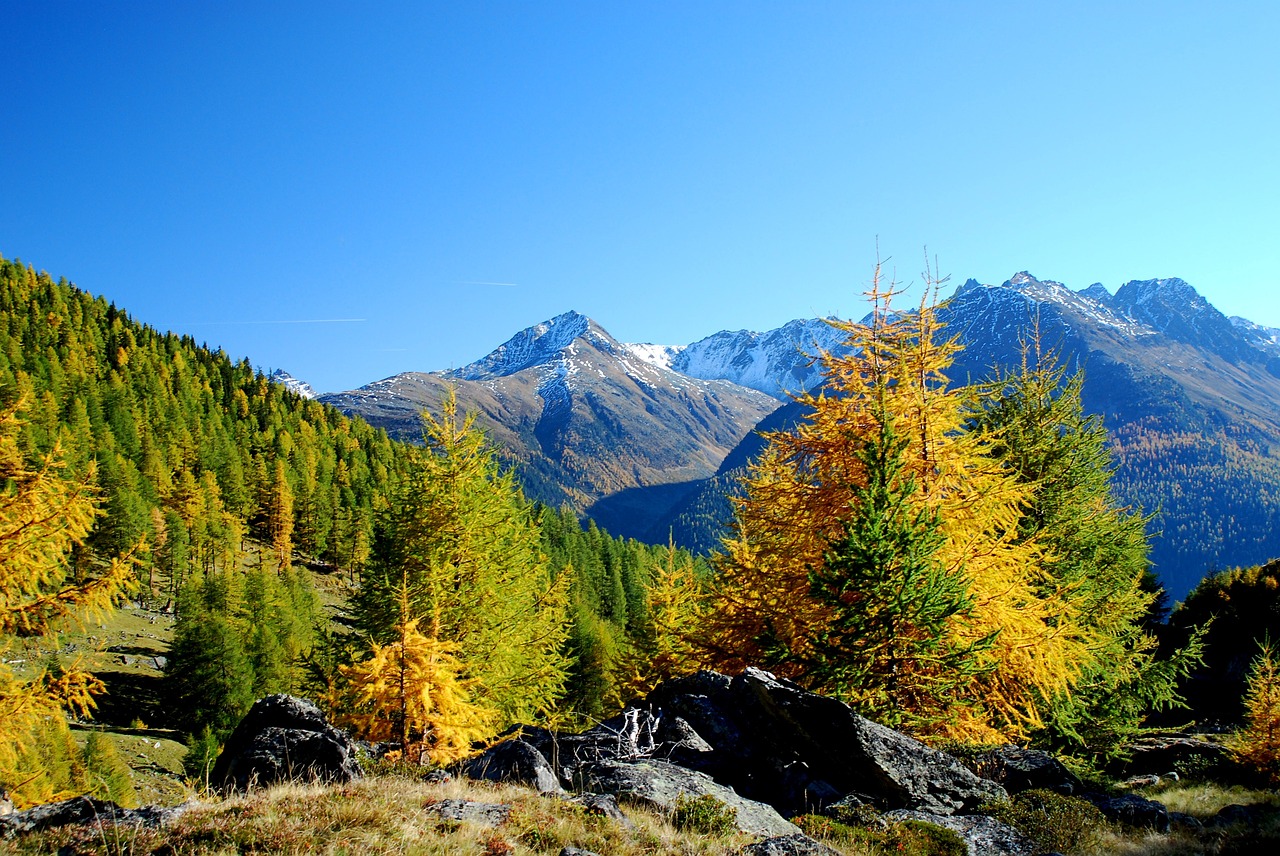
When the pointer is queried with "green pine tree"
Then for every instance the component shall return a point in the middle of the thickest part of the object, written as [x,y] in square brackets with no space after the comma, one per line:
[209,678]
[1096,551]
[885,650]
[460,536]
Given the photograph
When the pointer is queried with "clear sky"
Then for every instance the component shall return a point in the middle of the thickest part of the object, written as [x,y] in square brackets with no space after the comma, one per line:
[421,180]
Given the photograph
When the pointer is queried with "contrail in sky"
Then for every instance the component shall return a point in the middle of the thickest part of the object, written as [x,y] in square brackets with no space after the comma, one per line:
[288,321]
[482,282]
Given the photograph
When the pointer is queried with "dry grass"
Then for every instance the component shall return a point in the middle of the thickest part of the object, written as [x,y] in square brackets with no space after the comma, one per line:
[1203,800]
[390,815]
[386,815]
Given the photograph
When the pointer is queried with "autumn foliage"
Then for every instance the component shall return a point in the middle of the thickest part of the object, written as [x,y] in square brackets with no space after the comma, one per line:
[881,551]
[43,515]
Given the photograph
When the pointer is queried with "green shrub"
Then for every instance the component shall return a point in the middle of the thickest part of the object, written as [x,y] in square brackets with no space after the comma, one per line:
[917,838]
[861,816]
[910,838]
[704,814]
[108,774]
[1052,821]
[829,829]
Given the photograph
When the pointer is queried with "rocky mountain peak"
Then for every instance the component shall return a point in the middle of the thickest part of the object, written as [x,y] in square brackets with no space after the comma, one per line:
[1177,310]
[776,363]
[301,387]
[1097,293]
[536,345]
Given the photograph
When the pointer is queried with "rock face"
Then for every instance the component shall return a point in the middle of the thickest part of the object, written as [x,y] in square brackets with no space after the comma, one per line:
[764,746]
[284,738]
[775,742]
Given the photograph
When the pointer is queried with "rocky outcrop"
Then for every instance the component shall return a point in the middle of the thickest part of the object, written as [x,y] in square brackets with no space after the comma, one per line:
[284,738]
[86,811]
[1019,770]
[789,845]
[983,836]
[660,785]
[764,746]
[1132,810]
[1182,754]
[775,742]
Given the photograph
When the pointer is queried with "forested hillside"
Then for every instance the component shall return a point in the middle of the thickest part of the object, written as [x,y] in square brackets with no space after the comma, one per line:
[194,452]
[220,485]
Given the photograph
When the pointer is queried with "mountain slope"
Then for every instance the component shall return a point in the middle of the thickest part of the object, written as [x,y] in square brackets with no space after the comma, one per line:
[587,420]
[777,362]
[1188,396]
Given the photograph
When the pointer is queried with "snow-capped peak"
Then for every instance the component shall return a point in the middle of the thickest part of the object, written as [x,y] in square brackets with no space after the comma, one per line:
[655,355]
[530,347]
[301,387]
[776,363]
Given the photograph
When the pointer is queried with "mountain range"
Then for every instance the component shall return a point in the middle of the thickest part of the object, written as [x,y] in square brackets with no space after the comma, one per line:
[648,439]
[605,428]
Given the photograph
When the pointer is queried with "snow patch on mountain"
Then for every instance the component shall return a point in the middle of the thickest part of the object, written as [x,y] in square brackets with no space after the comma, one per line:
[777,363]
[530,347]
[655,355]
[301,387]
[1265,338]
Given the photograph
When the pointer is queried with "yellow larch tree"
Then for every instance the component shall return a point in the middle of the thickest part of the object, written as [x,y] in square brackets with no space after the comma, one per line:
[804,489]
[666,646]
[43,514]
[411,691]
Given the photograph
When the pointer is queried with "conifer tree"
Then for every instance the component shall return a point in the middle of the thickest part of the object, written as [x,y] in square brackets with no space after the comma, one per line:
[208,676]
[43,516]
[887,649]
[411,691]
[280,518]
[458,534]
[107,774]
[664,645]
[798,497]
[1257,745]
[1095,549]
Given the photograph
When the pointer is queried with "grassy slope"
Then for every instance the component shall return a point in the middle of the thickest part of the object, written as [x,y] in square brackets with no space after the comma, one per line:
[391,815]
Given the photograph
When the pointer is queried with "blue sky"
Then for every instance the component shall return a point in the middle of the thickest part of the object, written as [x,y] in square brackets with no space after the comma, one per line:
[671,169]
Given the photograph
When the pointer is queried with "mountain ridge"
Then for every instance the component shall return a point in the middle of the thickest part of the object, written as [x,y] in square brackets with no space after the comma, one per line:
[589,422]
[1179,386]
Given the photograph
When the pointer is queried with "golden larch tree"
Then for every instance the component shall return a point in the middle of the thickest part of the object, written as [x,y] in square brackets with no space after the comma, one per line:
[43,514]
[803,490]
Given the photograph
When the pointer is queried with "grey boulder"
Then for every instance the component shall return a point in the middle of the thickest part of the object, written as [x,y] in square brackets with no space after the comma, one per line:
[659,785]
[1019,770]
[983,836]
[513,761]
[470,811]
[284,738]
